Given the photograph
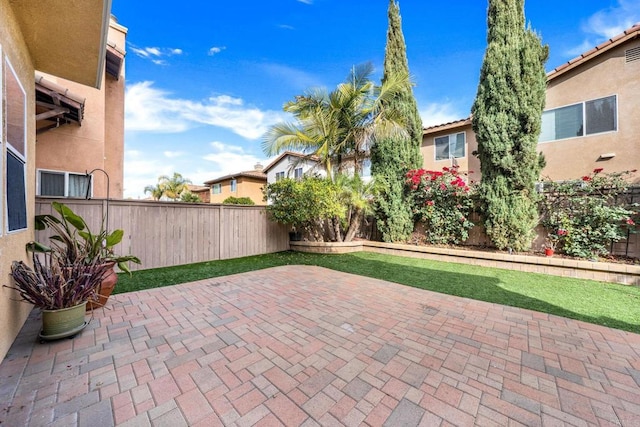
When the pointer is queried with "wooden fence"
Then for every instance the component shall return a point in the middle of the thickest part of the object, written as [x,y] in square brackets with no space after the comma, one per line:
[162,234]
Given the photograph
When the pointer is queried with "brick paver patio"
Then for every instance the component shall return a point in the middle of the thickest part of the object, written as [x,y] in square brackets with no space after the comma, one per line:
[308,346]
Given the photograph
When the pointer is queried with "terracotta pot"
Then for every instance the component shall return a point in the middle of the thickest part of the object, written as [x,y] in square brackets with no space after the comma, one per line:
[105,289]
[548,252]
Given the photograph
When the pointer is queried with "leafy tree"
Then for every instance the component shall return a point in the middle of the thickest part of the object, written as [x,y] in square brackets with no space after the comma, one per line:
[231,200]
[392,156]
[355,195]
[303,204]
[339,125]
[506,120]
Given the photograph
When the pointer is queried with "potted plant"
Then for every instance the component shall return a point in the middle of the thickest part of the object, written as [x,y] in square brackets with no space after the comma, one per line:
[552,240]
[73,240]
[60,290]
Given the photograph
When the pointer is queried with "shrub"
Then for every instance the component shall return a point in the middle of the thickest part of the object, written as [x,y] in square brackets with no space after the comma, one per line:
[588,214]
[443,201]
[238,201]
[304,203]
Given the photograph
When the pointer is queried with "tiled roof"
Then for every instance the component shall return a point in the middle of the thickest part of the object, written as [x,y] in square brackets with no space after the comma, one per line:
[290,153]
[629,34]
[446,126]
[257,174]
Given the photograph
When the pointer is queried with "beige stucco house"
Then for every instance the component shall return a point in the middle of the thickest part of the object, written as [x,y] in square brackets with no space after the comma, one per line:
[591,118]
[80,129]
[242,184]
[62,38]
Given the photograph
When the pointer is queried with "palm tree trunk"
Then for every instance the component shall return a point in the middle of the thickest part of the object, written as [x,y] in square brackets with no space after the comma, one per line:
[354,225]
[336,229]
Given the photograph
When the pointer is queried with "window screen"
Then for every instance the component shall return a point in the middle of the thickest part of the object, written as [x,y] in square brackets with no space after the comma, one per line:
[16,193]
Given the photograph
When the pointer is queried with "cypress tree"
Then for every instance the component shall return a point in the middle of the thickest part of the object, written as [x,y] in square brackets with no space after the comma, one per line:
[392,157]
[507,115]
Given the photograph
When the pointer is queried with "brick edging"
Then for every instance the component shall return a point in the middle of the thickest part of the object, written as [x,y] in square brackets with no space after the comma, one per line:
[606,272]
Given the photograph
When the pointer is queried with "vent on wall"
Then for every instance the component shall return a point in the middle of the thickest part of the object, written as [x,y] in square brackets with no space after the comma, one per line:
[632,54]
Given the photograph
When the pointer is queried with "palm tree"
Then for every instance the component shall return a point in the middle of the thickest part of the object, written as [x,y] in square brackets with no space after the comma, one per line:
[156,191]
[356,196]
[338,125]
[173,186]
[170,187]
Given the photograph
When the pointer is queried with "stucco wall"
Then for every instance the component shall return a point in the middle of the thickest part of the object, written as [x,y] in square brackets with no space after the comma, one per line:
[13,313]
[287,162]
[469,163]
[246,187]
[604,76]
[99,141]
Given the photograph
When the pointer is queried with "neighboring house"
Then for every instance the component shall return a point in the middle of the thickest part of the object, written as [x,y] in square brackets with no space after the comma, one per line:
[80,129]
[292,165]
[242,184]
[590,119]
[202,191]
[68,40]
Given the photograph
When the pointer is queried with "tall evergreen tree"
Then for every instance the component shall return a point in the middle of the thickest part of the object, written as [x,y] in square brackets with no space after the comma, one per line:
[506,119]
[392,157]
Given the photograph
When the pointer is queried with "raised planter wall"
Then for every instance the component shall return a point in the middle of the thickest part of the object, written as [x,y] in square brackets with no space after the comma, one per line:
[605,272]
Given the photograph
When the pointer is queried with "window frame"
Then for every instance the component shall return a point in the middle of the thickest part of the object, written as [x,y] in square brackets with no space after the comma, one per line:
[217,186]
[9,149]
[583,105]
[66,174]
[279,176]
[449,136]
[233,185]
[298,173]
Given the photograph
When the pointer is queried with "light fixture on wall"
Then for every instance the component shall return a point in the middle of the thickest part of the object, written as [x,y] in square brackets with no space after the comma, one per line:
[606,156]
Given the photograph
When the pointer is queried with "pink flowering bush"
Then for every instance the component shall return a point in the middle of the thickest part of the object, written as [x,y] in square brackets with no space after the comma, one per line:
[585,216]
[443,202]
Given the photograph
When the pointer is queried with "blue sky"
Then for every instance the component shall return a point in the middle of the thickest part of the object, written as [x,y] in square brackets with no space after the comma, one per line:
[206,80]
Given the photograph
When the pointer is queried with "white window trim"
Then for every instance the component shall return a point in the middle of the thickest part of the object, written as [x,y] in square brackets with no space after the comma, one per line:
[15,152]
[233,186]
[449,135]
[218,186]
[66,182]
[584,119]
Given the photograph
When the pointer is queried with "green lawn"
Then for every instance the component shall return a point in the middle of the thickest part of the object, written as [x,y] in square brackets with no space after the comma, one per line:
[607,304]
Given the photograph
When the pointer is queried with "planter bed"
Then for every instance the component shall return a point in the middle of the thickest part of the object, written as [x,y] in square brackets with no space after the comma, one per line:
[625,274]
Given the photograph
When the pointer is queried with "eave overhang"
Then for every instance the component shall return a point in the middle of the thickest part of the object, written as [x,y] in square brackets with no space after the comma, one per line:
[70,43]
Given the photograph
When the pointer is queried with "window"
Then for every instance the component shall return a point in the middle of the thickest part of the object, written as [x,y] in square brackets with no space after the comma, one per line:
[588,118]
[297,173]
[63,184]
[450,146]
[234,185]
[216,189]
[15,116]
[279,175]
[365,172]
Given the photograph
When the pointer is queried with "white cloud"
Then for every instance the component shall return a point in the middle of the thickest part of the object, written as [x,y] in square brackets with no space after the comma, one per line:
[172,154]
[306,1]
[155,54]
[286,27]
[216,49]
[148,109]
[607,23]
[437,114]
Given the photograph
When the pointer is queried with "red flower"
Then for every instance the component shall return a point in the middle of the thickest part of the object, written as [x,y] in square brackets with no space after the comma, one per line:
[598,170]
[630,222]
[586,178]
[429,203]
